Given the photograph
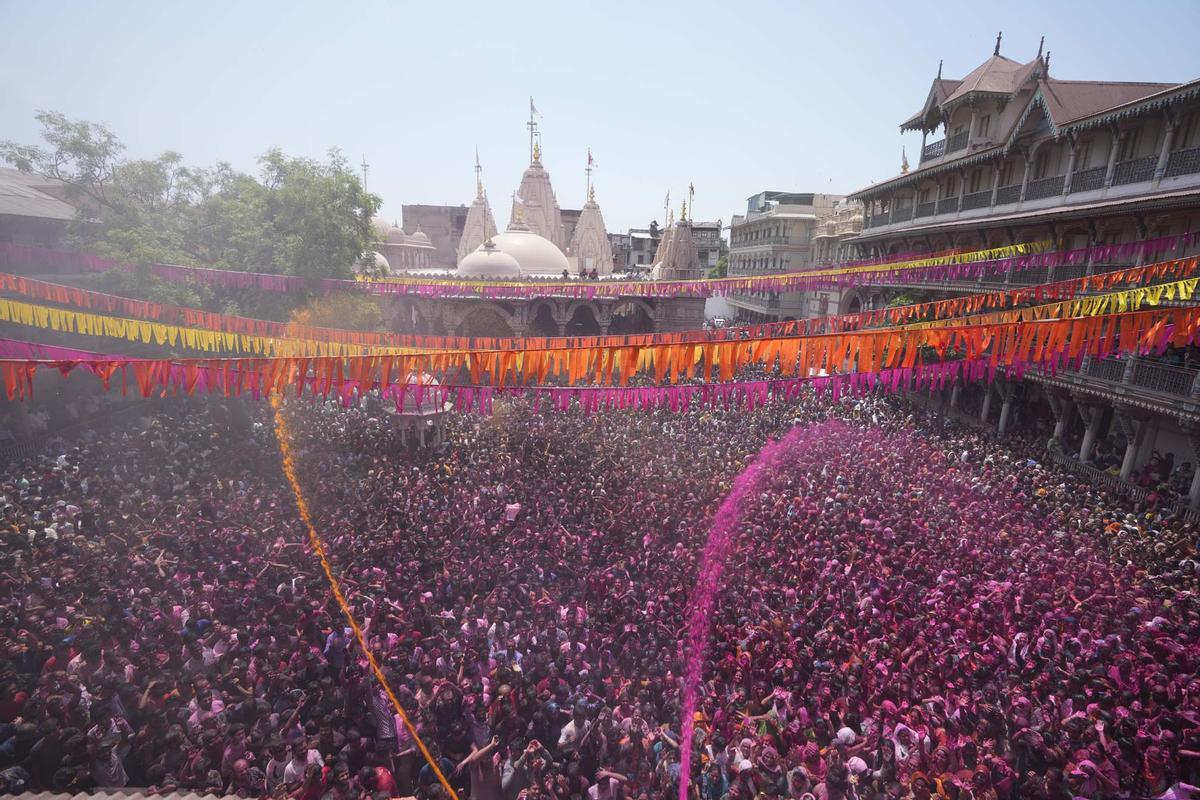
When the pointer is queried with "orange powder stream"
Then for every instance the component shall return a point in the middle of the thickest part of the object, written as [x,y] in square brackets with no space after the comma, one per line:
[284,437]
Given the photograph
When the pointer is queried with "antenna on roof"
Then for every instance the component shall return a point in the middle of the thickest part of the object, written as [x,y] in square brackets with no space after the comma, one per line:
[999,35]
[1040,45]
[939,69]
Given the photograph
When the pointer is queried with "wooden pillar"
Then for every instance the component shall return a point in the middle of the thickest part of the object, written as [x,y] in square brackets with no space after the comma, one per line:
[1164,154]
[1070,166]
[995,181]
[1025,177]
[1117,136]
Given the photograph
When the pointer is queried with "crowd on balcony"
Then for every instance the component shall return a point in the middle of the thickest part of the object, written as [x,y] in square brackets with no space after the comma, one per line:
[910,613]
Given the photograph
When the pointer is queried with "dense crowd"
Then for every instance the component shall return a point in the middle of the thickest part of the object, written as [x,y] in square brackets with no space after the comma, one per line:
[909,613]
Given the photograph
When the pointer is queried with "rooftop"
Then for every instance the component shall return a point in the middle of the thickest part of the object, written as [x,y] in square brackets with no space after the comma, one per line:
[20,196]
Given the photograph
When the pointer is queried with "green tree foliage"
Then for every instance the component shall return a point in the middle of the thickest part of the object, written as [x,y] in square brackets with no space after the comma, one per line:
[299,216]
[721,270]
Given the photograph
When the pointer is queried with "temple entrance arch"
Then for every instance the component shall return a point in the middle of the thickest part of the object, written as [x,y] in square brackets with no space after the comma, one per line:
[542,322]
[583,322]
[631,317]
[485,322]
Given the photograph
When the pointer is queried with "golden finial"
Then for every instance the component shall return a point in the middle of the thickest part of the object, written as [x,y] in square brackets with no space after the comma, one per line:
[537,152]
[683,211]
[591,194]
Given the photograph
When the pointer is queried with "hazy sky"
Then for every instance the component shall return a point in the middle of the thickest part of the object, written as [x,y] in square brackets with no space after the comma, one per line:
[735,97]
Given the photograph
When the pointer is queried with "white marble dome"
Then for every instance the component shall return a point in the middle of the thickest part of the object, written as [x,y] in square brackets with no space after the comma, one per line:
[535,254]
[488,261]
[387,232]
[419,237]
[381,263]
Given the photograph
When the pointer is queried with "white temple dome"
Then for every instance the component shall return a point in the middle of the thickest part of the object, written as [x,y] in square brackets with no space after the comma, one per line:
[381,262]
[420,238]
[387,232]
[535,254]
[488,261]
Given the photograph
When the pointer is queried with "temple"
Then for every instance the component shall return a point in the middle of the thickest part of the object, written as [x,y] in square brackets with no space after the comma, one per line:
[590,249]
[540,207]
[480,225]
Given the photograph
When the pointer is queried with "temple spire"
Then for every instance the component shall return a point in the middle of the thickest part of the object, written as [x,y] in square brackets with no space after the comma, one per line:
[999,36]
[478,174]
[591,164]
[691,204]
[939,69]
[532,125]
[1041,44]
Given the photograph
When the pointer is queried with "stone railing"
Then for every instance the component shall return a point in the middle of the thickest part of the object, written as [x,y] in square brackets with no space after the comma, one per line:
[1113,483]
[1135,171]
[926,209]
[1087,180]
[1047,187]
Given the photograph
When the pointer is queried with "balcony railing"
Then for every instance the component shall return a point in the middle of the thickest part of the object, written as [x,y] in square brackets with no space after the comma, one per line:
[926,209]
[1068,272]
[1106,369]
[1135,170]
[956,142]
[1149,375]
[1008,194]
[935,150]
[977,200]
[1087,180]
[947,205]
[1162,378]
[1047,187]
[1183,162]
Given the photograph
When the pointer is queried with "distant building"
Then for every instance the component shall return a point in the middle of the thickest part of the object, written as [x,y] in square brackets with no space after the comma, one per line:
[709,244]
[619,243]
[32,209]
[442,224]
[775,235]
[643,244]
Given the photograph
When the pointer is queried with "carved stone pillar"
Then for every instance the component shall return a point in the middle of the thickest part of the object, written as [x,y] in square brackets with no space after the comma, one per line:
[1092,415]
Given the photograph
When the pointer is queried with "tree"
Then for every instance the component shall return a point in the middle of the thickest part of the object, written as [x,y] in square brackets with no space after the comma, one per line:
[721,270]
[299,217]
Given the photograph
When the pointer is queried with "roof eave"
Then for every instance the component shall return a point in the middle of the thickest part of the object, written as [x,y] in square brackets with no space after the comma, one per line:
[1178,94]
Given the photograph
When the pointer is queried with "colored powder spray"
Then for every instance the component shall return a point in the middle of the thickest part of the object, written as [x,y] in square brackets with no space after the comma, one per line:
[721,537]
[284,437]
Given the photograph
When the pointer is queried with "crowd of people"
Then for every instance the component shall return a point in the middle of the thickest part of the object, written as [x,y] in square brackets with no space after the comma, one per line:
[910,612]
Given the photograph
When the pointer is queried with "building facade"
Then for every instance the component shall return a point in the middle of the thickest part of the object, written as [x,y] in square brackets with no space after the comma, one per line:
[775,235]
[1026,157]
[710,245]
[442,224]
